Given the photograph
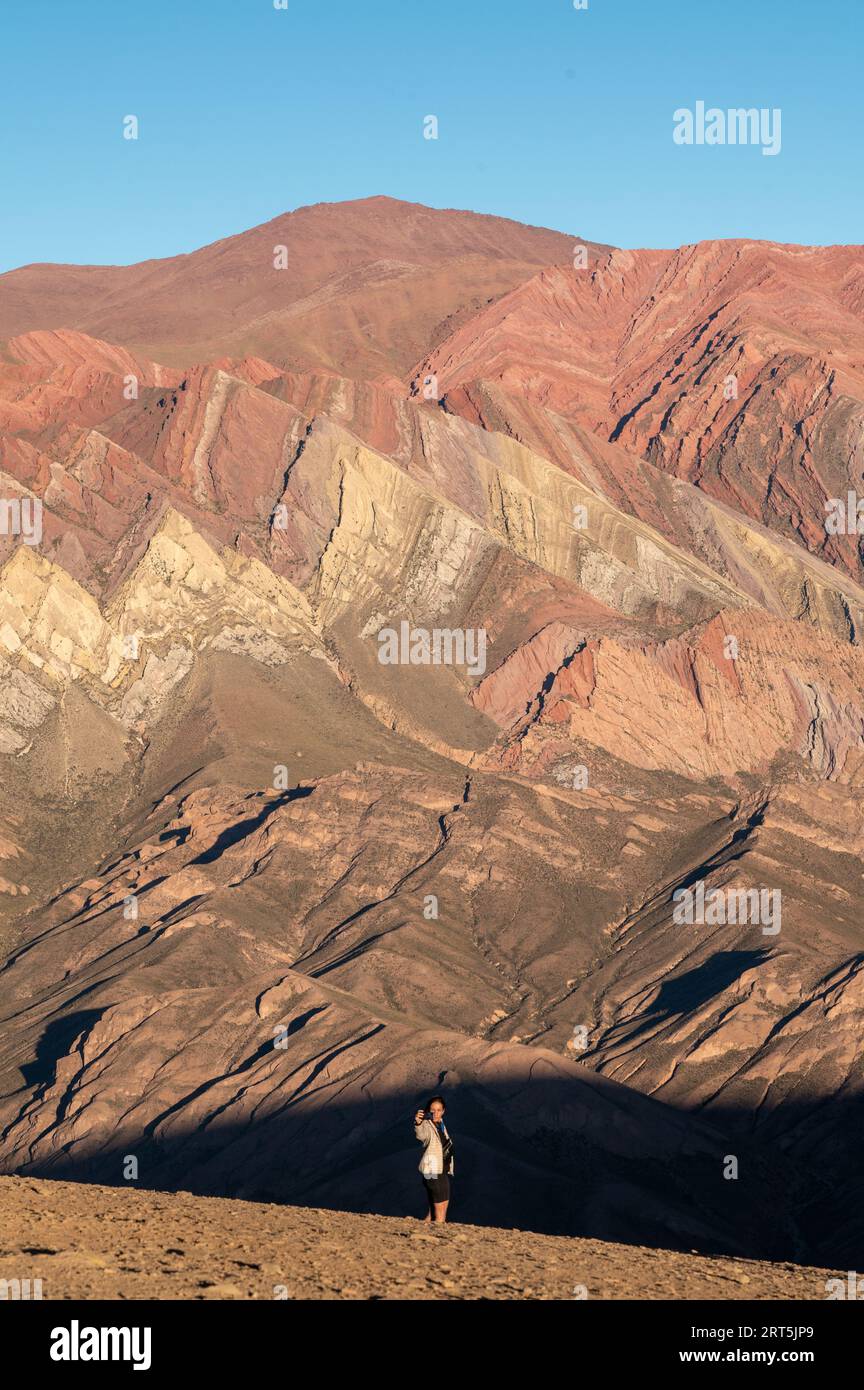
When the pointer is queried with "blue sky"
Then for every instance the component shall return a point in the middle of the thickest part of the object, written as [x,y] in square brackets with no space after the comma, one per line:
[547,115]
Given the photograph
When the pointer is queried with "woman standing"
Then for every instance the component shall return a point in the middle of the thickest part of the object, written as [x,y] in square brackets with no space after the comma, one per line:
[436,1163]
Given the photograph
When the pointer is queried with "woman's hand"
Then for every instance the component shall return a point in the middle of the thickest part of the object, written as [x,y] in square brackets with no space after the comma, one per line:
[421,1115]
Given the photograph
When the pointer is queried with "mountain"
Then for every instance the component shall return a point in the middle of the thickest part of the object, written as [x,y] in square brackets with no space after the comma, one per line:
[263,889]
[368,285]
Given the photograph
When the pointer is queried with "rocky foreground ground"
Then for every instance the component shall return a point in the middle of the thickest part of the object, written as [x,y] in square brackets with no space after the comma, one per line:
[87,1242]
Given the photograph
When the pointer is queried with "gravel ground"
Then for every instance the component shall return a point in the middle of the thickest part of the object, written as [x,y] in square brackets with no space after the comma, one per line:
[88,1242]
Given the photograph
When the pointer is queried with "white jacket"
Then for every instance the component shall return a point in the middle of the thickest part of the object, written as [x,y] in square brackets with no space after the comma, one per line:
[432,1159]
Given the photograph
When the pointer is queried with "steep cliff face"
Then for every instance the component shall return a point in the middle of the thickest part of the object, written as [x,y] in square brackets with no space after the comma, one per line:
[734,695]
[362,735]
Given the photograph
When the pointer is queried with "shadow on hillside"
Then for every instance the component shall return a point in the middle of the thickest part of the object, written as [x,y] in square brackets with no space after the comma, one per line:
[552,1155]
[694,988]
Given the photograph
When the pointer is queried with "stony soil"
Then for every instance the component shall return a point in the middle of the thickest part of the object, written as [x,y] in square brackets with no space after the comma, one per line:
[88,1242]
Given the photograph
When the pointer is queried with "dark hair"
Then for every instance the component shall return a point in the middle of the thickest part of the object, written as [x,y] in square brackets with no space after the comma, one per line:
[432,1099]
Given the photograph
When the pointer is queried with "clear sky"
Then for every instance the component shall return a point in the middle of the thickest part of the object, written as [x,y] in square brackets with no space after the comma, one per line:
[550,115]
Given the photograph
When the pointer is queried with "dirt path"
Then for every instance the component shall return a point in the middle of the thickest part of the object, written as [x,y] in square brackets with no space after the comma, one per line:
[102,1242]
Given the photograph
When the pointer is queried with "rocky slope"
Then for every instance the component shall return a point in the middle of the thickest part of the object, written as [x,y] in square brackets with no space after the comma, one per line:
[87,1242]
[735,366]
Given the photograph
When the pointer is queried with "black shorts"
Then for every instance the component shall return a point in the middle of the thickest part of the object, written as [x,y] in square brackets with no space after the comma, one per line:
[438,1188]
